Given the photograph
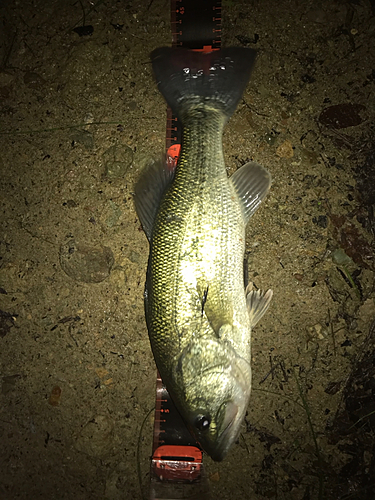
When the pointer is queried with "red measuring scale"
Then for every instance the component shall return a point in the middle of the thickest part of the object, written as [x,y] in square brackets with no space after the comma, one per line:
[195,25]
[176,468]
[176,456]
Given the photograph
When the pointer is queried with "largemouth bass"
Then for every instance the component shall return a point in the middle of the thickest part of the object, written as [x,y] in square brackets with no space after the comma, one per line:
[198,313]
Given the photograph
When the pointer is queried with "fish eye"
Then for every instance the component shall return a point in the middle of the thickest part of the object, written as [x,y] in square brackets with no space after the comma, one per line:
[202,423]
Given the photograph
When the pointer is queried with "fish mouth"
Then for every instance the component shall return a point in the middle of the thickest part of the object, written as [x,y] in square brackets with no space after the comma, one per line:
[231,412]
[218,447]
[231,429]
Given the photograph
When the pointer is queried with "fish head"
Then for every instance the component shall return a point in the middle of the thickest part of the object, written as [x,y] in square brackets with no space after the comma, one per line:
[216,385]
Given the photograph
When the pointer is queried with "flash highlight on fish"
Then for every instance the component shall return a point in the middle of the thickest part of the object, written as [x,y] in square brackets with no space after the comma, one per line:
[199,314]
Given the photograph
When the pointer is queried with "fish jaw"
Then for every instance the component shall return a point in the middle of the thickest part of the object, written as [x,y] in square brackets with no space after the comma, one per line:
[234,411]
[215,396]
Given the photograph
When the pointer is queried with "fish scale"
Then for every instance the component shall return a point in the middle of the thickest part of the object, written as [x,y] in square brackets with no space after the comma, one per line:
[198,189]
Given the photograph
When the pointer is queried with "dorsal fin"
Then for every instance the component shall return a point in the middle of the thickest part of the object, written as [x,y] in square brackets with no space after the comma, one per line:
[149,190]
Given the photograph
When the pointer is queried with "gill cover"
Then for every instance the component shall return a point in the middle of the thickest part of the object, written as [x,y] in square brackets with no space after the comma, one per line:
[216,385]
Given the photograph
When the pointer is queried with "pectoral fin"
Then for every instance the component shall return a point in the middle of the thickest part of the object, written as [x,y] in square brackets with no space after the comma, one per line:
[257,303]
[226,332]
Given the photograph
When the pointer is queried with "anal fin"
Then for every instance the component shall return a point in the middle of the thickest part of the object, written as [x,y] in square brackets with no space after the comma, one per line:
[251,183]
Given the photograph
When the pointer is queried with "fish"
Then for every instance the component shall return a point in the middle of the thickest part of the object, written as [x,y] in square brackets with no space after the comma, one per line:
[199,313]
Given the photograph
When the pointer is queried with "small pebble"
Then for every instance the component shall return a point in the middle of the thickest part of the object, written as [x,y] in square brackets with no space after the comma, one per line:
[285,150]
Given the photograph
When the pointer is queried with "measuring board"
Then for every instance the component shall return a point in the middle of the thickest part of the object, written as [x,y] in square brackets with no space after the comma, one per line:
[176,468]
[196,25]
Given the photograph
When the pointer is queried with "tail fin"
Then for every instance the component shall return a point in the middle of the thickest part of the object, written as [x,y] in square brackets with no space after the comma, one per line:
[187,78]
